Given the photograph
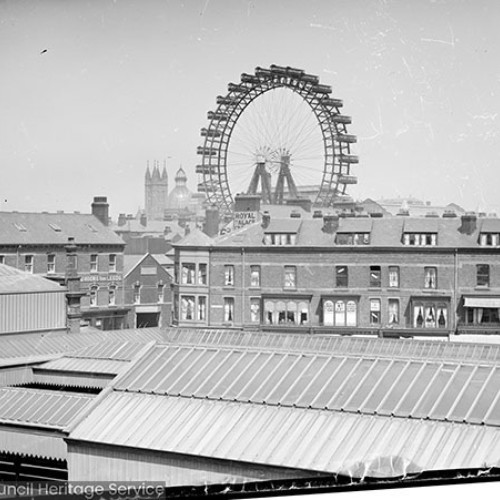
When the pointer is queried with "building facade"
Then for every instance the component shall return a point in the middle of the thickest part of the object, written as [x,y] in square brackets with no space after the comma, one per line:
[36,243]
[394,276]
[148,292]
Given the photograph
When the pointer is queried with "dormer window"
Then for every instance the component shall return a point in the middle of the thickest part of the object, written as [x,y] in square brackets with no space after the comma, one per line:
[55,227]
[352,239]
[20,227]
[489,239]
[420,239]
[280,239]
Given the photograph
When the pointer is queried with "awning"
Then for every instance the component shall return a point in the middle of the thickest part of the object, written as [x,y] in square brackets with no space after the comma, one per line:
[492,302]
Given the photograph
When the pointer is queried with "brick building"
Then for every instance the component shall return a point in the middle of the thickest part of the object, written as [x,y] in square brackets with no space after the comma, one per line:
[36,243]
[147,289]
[392,276]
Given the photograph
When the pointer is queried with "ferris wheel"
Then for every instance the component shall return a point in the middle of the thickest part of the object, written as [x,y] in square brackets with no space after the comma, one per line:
[278,133]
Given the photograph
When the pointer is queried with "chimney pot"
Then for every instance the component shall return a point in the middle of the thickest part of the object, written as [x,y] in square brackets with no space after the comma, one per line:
[330,223]
[266,219]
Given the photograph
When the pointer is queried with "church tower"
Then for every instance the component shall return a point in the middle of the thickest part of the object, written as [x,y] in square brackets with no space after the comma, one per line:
[156,191]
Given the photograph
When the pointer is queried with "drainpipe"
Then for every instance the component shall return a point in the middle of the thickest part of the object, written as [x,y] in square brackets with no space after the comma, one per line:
[242,287]
[455,290]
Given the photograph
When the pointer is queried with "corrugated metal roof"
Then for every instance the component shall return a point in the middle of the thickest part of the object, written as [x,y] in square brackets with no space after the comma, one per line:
[328,344]
[32,443]
[68,379]
[85,228]
[16,375]
[112,349]
[459,391]
[309,439]
[84,365]
[44,408]
[15,281]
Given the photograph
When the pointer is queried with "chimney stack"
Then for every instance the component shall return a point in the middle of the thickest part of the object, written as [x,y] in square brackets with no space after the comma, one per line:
[74,293]
[330,223]
[211,226]
[469,225]
[100,209]
[266,219]
[122,220]
[143,220]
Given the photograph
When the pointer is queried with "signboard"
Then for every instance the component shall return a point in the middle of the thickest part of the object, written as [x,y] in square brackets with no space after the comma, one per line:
[244,218]
[101,278]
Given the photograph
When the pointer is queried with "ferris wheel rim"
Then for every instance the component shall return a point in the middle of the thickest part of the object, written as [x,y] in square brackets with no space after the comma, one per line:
[222,122]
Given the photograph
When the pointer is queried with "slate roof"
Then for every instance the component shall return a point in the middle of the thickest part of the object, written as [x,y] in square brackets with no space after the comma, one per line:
[15,281]
[195,238]
[152,227]
[384,231]
[22,228]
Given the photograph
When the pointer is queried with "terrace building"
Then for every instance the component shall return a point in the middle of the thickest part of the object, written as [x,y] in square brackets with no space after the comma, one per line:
[387,276]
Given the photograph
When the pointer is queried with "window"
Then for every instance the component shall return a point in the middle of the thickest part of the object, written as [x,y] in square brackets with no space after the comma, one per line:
[112,296]
[280,239]
[229,275]
[394,276]
[341,277]
[290,277]
[483,275]
[340,312]
[112,263]
[28,263]
[2,259]
[374,311]
[420,239]
[430,277]
[255,310]
[393,311]
[137,293]
[188,273]
[93,263]
[202,308]
[489,239]
[482,316]
[430,315]
[255,276]
[93,296]
[187,307]
[286,312]
[161,293]
[55,227]
[51,263]
[202,274]
[228,309]
[352,239]
[375,277]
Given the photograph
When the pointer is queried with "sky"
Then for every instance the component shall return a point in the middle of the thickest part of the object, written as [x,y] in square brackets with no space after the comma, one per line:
[92,90]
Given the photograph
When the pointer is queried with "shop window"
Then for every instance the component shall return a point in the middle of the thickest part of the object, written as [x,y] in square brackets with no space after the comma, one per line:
[255,310]
[112,263]
[51,263]
[187,308]
[430,277]
[202,274]
[93,263]
[202,308]
[430,315]
[188,273]
[28,263]
[340,313]
[341,276]
[483,275]
[290,277]
[375,312]
[393,311]
[289,312]
[375,277]
[229,275]
[228,309]
[255,276]
[394,276]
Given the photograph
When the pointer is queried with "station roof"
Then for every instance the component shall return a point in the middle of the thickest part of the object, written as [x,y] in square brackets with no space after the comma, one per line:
[319,440]
[354,406]
[15,281]
[23,228]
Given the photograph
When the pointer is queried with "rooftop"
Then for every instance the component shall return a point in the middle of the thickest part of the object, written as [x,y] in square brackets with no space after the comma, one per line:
[15,281]
[22,228]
